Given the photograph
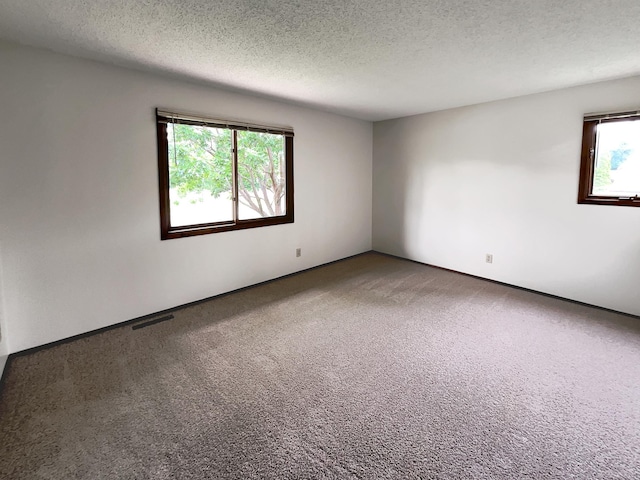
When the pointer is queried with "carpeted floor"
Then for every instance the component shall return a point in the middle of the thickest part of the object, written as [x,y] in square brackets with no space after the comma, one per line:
[369,368]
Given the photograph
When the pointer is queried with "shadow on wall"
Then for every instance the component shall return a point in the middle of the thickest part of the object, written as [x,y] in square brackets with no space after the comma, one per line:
[454,185]
[411,234]
[391,196]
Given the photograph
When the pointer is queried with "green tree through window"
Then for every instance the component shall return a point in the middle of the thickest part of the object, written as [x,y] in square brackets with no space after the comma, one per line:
[217,179]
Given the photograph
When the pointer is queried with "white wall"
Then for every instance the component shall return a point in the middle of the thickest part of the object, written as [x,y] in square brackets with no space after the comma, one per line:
[3,364]
[79,207]
[502,178]
[4,344]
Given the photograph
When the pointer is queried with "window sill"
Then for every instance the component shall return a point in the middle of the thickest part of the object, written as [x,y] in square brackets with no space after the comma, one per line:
[193,230]
[623,202]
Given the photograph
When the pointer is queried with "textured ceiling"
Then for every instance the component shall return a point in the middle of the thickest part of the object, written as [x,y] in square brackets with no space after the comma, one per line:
[372,59]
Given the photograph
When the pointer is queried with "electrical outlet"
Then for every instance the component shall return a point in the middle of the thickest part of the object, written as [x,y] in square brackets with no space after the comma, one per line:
[489,258]
[298,252]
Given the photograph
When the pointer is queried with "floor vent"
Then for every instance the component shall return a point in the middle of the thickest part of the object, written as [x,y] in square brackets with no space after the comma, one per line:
[152,322]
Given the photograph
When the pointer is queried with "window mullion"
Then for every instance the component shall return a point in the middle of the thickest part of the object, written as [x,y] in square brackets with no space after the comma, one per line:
[234,158]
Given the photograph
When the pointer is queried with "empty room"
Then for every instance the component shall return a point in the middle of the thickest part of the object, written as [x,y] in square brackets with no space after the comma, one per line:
[320,239]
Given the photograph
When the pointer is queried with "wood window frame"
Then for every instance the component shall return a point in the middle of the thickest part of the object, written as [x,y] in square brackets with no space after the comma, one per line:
[588,158]
[166,230]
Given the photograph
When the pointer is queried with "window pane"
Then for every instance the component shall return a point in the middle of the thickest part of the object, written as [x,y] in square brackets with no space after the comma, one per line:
[261,175]
[199,174]
[617,167]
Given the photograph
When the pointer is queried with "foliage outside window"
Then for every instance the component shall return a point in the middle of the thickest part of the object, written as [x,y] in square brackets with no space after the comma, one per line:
[218,176]
[610,166]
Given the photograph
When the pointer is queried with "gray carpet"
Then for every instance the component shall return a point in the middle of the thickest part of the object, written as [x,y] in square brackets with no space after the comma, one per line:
[369,368]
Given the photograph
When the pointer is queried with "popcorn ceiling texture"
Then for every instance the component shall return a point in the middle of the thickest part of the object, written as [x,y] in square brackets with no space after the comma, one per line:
[370,59]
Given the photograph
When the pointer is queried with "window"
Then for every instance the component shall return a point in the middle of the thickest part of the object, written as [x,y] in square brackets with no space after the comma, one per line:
[218,175]
[610,167]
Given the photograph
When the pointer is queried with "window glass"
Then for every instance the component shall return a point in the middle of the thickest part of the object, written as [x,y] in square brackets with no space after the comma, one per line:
[200,162]
[617,163]
[261,175]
